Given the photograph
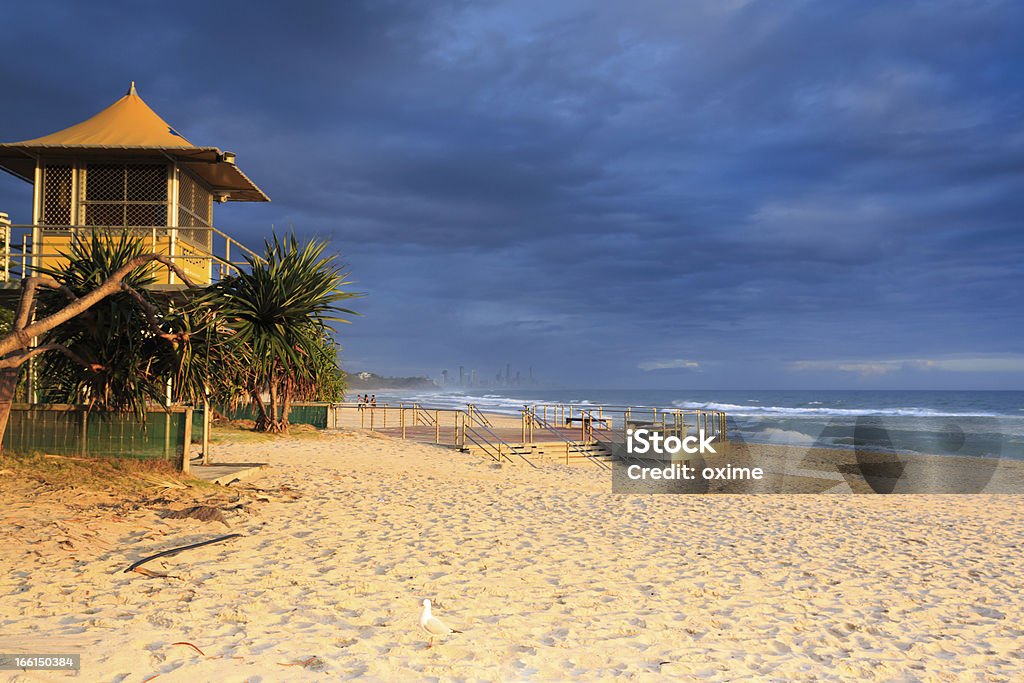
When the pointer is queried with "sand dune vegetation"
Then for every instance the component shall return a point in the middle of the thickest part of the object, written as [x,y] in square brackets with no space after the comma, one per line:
[108,341]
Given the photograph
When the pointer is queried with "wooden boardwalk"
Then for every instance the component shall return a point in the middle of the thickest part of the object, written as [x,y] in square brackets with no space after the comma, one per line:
[448,436]
[227,472]
[574,433]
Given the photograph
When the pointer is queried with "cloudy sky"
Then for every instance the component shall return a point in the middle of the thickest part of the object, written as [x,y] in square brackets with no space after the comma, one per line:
[719,194]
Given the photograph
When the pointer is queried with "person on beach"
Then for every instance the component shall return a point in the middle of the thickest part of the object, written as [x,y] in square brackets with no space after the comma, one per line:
[373,401]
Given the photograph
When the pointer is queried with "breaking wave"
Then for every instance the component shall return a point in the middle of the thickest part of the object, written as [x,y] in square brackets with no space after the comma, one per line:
[788,411]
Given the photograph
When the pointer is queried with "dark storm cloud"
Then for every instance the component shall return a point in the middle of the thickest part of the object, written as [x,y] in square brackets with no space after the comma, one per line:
[782,193]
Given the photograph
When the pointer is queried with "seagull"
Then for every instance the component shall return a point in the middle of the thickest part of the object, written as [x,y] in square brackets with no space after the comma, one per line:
[433,625]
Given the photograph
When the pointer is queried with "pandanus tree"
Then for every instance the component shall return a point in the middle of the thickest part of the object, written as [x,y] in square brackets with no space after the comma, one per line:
[100,334]
[124,347]
[278,315]
[106,341]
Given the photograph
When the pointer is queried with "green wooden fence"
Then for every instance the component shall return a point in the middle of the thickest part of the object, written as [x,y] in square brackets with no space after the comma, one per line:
[75,430]
[315,414]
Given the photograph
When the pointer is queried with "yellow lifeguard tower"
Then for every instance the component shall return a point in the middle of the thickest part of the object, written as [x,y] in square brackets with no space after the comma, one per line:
[125,169]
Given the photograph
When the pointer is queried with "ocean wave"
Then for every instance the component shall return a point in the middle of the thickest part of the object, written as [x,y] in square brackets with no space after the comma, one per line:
[788,411]
[497,403]
[487,402]
[785,436]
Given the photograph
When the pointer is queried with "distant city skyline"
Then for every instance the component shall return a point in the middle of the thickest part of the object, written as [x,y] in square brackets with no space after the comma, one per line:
[644,194]
[464,377]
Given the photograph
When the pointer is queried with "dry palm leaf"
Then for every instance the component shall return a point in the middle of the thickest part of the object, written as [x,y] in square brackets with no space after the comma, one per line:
[204,513]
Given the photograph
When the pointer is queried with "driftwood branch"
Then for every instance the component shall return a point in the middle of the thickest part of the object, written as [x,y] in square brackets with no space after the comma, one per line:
[175,551]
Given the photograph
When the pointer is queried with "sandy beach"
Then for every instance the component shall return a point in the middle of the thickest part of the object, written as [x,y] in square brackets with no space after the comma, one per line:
[549,575]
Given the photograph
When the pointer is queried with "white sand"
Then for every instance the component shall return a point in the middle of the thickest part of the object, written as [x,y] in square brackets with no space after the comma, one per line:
[550,575]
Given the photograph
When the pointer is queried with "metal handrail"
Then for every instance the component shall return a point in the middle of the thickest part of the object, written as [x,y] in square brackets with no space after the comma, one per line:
[467,427]
[477,415]
[547,427]
[11,253]
[487,447]
[713,420]
[495,437]
[429,419]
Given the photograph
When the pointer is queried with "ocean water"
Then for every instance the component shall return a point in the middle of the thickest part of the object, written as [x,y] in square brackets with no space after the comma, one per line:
[977,423]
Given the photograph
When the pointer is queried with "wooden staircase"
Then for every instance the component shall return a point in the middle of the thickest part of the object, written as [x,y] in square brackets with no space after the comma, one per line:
[556,452]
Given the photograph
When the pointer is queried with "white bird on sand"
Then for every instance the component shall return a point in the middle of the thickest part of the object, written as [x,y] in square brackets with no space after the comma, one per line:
[433,625]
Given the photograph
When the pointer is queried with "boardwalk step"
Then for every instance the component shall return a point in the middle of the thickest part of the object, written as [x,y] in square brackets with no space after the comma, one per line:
[553,451]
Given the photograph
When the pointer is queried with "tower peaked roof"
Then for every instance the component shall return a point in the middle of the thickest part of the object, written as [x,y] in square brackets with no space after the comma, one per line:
[128,122]
[130,128]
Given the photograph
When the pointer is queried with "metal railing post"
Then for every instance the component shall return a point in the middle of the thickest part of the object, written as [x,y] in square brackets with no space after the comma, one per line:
[206,431]
[5,223]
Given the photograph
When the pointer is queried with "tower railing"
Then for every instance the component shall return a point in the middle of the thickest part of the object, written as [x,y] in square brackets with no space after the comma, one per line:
[212,258]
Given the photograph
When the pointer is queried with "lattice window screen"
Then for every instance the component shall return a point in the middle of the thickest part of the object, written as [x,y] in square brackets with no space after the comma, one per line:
[195,210]
[146,183]
[125,195]
[56,195]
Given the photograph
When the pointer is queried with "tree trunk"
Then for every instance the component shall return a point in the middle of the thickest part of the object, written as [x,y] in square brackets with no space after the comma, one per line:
[8,385]
[262,420]
[272,427]
[286,409]
[271,420]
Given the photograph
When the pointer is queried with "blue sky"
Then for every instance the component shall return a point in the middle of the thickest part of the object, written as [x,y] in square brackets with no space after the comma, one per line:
[721,194]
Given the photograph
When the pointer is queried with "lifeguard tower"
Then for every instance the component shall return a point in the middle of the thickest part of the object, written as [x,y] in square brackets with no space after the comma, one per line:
[125,169]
